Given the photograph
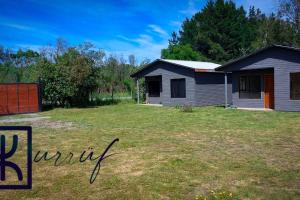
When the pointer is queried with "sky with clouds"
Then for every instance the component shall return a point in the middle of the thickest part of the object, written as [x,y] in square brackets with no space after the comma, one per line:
[123,27]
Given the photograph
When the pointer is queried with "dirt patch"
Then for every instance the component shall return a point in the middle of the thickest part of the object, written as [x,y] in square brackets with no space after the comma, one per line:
[13,120]
[53,124]
[41,122]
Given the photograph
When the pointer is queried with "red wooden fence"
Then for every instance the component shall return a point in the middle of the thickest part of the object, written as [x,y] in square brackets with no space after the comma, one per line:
[19,98]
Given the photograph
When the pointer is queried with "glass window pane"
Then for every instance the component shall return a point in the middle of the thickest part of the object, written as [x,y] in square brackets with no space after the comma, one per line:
[295,86]
[178,88]
[250,87]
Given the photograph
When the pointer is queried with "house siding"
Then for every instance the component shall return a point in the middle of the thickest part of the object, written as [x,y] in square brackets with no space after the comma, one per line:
[210,89]
[248,103]
[168,72]
[201,88]
[282,87]
[283,62]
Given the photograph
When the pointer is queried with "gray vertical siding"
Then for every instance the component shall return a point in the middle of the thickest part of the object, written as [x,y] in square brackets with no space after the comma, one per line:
[246,103]
[168,72]
[283,62]
[289,64]
[201,88]
[210,89]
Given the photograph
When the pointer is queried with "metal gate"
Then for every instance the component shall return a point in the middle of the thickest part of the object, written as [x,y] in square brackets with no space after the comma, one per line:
[19,98]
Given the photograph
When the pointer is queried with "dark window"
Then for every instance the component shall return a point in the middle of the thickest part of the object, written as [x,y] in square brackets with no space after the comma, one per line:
[295,86]
[154,88]
[178,88]
[250,87]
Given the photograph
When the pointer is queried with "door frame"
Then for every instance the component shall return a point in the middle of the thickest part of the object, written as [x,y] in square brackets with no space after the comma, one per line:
[270,95]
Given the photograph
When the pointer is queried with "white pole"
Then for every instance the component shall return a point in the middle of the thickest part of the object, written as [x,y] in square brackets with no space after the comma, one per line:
[138,91]
[226,98]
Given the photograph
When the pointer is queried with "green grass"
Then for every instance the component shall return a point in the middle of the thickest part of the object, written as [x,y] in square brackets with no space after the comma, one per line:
[164,153]
[108,95]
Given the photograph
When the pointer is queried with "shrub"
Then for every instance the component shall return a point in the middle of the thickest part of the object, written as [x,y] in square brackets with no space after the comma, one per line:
[187,108]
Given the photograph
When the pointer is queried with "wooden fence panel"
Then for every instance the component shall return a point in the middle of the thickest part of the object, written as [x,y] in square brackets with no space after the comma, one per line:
[19,98]
[23,98]
[12,97]
[33,93]
[3,100]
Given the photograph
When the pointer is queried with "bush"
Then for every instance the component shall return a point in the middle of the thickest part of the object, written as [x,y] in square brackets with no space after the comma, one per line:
[187,108]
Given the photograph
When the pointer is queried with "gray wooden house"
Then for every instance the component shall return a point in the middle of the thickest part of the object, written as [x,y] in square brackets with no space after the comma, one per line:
[177,82]
[266,79]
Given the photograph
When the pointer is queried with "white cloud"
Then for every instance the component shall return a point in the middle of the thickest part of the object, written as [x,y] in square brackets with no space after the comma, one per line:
[18,26]
[143,39]
[143,46]
[176,24]
[158,30]
[191,8]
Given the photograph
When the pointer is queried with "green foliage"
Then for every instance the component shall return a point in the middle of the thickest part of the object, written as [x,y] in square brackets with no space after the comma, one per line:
[186,108]
[221,31]
[181,52]
[218,32]
[68,75]
[9,73]
[68,81]
[114,76]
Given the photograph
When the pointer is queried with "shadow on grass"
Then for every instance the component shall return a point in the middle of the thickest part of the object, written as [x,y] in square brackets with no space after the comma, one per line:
[93,104]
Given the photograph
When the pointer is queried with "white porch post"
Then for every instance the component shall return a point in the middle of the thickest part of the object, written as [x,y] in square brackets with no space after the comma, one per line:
[138,91]
[225,85]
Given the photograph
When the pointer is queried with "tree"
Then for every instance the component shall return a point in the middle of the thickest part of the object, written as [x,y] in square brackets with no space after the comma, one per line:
[68,81]
[181,52]
[290,10]
[78,74]
[60,47]
[90,51]
[174,39]
[110,74]
[9,73]
[132,60]
[218,33]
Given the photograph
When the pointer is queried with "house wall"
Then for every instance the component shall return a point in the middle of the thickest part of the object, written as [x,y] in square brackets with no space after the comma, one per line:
[283,61]
[210,89]
[201,88]
[248,103]
[283,68]
[168,72]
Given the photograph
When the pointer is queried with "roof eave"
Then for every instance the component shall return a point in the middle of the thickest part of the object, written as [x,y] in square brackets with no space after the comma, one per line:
[223,67]
[159,60]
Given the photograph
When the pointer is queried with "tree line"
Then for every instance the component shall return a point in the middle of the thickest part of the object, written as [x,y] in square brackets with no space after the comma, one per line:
[221,31]
[69,76]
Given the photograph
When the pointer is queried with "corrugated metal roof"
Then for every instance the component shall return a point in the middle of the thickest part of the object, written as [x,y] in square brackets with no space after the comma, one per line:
[193,64]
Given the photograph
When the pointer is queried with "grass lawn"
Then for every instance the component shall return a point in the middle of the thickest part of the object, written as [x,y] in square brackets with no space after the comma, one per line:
[164,153]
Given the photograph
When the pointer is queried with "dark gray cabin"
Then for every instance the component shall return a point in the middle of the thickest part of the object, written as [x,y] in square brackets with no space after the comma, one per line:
[266,79]
[174,82]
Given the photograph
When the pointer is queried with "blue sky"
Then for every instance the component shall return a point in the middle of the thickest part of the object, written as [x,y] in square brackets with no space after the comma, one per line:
[122,27]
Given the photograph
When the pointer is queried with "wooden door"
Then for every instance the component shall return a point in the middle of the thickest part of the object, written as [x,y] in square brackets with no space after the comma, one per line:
[269,91]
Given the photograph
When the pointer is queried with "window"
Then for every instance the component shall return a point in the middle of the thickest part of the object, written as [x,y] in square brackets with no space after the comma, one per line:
[250,87]
[178,89]
[154,88]
[295,86]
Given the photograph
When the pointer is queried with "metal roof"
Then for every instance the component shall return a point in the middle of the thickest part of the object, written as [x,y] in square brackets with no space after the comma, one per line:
[195,65]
